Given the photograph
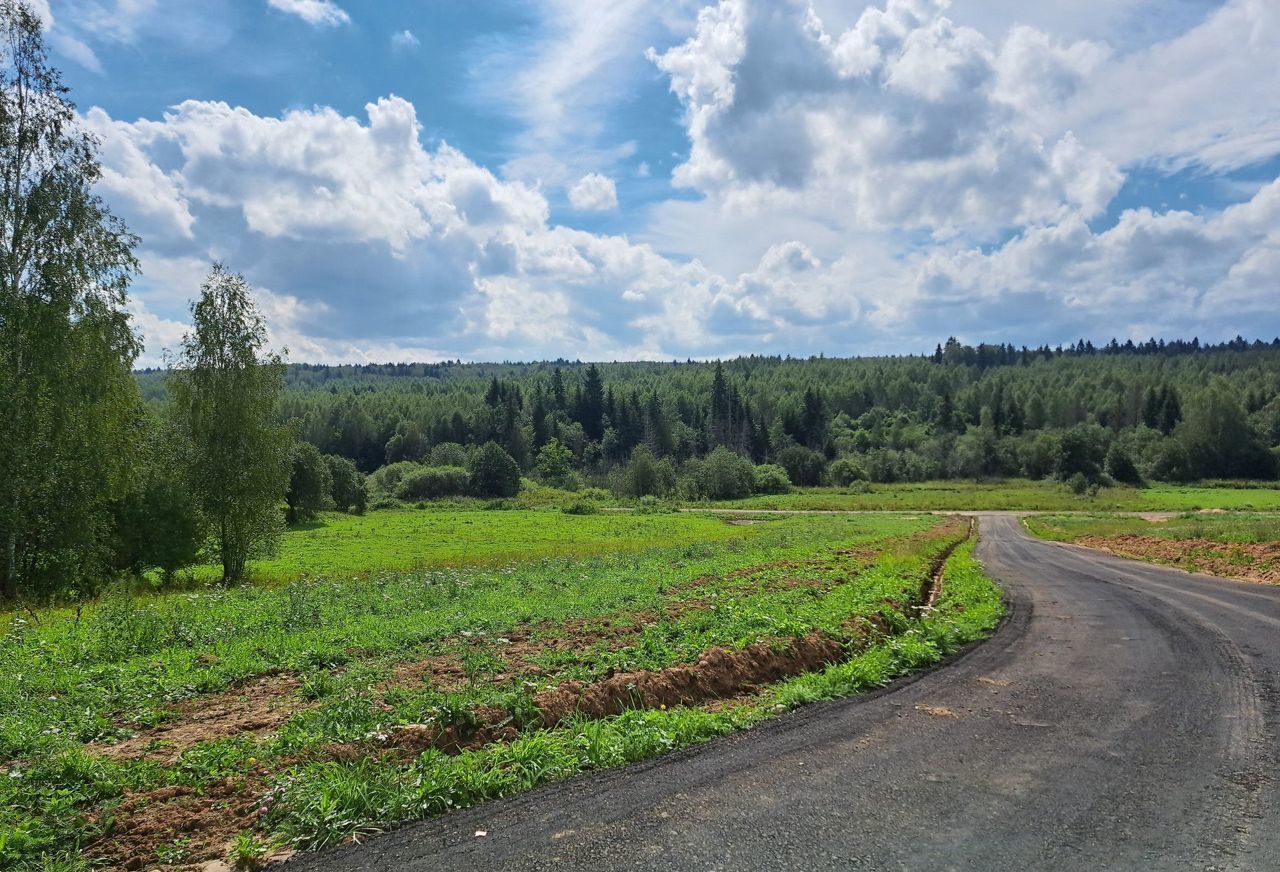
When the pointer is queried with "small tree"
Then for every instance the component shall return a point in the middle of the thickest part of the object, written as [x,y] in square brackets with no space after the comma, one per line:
[803,466]
[224,393]
[555,464]
[350,491]
[646,475]
[493,472]
[771,479]
[845,472]
[158,523]
[1120,465]
[310,484]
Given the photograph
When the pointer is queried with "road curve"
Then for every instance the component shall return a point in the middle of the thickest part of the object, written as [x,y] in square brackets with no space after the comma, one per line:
[1123,717]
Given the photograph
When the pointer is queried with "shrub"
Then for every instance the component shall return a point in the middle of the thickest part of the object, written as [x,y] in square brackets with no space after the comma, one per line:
[646,475]
[447,454]
[433,482]
[771,479]
[555,465]
[350,489]
[721,475]
[493,472]
[386,481]
[845,472]
[803,466]
[1120,465]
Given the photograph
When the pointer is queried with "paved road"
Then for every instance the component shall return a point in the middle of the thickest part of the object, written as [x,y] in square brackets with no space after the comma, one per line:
[1123,717]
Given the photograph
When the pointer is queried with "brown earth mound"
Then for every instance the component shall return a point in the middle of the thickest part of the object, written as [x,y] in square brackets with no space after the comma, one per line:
[194,825]
[1247,561]
[718,674]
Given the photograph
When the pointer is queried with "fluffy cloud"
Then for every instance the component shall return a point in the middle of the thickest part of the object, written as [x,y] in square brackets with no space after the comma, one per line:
[594,193]
[902,121]
[856,189]
[316,12]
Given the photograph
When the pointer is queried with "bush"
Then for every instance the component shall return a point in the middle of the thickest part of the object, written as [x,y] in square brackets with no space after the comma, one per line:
[845,472]
[350,490]
[447,454]
[1120,465]
[433,482]
[385,482]
[645,475]
[493,472]
[310,484]
[582,507]
[555,465]
[803,466]
[721,475]
[771,479]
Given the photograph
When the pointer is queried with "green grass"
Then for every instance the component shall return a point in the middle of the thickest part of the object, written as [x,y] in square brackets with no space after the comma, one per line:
[1227,528]
[344,546]
[1019,495]
[124,663]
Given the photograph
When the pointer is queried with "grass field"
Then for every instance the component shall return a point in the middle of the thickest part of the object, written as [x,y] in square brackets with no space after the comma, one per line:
[1229,544]
[342,546]
[1018,495]
[169,730]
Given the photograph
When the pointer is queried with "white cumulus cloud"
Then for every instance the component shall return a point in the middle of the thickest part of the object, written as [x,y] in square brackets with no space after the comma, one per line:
[594,193]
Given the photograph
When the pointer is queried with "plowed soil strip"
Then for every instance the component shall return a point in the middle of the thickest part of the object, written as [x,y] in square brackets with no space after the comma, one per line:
[1246,561]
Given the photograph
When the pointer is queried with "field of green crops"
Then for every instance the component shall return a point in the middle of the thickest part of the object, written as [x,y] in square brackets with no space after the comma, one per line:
[465,661]
[1018,495]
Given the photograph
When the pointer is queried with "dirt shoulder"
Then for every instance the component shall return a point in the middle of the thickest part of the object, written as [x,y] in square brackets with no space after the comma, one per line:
[1251,561]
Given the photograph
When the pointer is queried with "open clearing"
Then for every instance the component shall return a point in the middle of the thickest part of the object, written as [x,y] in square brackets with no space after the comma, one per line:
[1017,495]
[1230,545]
[172,730]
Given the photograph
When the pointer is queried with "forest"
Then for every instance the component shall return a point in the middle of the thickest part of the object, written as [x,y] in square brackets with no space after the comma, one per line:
[1157,411]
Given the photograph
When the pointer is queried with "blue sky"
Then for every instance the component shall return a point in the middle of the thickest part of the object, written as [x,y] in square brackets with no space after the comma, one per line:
[645,179]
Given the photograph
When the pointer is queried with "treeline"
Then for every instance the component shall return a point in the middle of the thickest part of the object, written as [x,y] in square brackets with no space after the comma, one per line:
[1175,411]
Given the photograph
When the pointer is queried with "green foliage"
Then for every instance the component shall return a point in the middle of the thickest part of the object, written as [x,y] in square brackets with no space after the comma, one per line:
[493,472]
[721,475]
[224,397]
[769,478]
[803,466]
[1219,440]
[1120,465]
[555,465]
[68,401]
[844,472]
[350,489]
[433,482]
[647,476]
[157,523]
[447,454]
[310,484]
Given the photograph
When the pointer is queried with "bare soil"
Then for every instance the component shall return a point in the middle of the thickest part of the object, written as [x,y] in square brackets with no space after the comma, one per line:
[257,707]
[1250,561]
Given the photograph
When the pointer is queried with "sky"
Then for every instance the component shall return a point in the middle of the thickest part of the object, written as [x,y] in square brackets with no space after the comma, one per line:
[671,179]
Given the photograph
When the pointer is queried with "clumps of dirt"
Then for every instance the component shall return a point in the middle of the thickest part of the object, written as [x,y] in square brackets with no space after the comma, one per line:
[257,707]
[443,671]
[719,674]
[194,825]
[1246,561]
[936,711]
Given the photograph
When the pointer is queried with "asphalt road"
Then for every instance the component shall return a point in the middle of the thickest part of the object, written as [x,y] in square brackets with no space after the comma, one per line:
[1123,717]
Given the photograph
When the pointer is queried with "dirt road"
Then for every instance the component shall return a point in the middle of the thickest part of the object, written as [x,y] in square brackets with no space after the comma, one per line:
[1123,717]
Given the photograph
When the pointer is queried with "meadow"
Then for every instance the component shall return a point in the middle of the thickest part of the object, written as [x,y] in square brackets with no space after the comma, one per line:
[339,545]
[167,730]
[1238,545]
[1019,495]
